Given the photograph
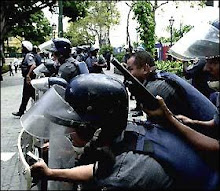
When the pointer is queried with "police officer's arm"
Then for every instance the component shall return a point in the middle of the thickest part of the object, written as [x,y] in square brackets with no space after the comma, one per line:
[80,173]
[28,78]
[33,66]
[186,120]
[198,140]
[32,63]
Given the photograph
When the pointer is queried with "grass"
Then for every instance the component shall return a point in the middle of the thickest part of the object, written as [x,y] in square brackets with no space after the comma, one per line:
[5,68]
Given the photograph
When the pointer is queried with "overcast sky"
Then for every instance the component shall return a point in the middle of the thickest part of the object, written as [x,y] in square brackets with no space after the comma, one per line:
[184,14]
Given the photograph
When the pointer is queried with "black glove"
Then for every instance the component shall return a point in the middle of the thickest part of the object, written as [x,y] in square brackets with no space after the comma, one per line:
[105,164]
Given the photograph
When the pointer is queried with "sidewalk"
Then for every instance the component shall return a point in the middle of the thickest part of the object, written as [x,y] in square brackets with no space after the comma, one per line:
[11,88]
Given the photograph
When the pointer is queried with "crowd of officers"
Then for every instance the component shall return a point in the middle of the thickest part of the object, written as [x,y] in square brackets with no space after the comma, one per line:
[112,155]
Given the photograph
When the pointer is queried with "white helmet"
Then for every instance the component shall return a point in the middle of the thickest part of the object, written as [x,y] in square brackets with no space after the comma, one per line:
[28,45]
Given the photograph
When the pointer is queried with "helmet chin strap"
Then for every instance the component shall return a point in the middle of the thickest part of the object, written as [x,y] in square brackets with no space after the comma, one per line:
[61,59]
[80,150]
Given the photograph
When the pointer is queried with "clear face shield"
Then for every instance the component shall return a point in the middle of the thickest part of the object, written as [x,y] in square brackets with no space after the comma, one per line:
[50,115]
[52,118]
[47,46]
[199,43]
[40,69]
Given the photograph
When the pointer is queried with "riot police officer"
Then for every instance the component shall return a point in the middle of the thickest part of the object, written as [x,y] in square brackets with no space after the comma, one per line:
[27,67]
[80,53]
[208,146]
[94,109]
[95,62]
[68,66]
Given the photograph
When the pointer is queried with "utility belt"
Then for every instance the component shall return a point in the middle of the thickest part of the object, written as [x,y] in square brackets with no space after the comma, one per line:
[25,70]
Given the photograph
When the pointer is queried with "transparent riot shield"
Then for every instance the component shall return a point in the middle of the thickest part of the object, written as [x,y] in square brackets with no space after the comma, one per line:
[51,113]
[200,42]
[24,145]
[27,143]
[61,156]
[52,118]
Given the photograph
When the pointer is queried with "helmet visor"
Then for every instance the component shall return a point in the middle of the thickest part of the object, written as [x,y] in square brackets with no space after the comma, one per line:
[50,114]
[48,46]
[200,42]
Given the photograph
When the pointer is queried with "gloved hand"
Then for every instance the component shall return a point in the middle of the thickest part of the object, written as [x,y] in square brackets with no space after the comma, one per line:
[105,163]
[93,153]
[39,170]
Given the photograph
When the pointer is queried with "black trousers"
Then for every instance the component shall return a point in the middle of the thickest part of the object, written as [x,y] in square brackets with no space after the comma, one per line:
[28,92]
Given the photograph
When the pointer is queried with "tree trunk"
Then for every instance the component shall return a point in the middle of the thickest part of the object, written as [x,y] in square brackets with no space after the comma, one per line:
[128,40]
[108,37]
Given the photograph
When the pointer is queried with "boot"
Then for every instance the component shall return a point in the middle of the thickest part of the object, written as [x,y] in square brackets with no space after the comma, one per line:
[17,114]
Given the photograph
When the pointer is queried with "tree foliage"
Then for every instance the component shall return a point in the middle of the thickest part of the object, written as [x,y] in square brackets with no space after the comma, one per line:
[36,29]
[177,34]
[106,48]
[175,67]
[145,14]
[101,16]
[75,9]
[78,34]
[16,13]
[143,11]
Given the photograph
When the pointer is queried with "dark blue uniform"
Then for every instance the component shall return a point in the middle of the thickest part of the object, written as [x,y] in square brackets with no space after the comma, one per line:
[71,68]
[136,171]
[28,90]
[199,77]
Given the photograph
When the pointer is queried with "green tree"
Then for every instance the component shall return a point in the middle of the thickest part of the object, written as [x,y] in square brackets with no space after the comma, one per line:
[36,29]
[15,13]
[75,9]
[177,34]
[143,11]
[78,34]
[106,48]
[145,14]
[101,16]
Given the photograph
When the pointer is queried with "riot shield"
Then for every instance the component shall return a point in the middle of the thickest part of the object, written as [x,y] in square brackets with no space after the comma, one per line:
[52,118]
[40,70]
[26,143]
[50,114]
[23,167]
[200,42]
[61,156]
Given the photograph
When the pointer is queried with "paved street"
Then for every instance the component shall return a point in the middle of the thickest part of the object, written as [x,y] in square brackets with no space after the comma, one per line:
[11,90]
